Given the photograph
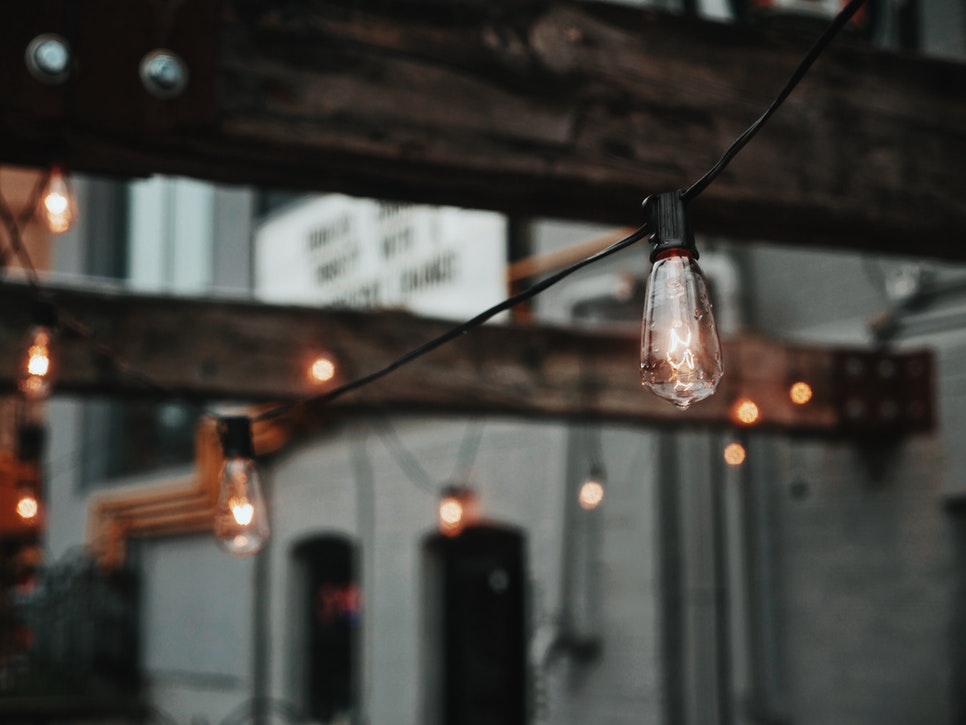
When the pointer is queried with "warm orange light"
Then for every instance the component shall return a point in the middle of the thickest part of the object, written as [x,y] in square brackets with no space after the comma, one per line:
[38,360]
[800,393]
[57,204]
[734,454]
[450,515]
[591,494]
[27,507]
[746,412]
[322,370]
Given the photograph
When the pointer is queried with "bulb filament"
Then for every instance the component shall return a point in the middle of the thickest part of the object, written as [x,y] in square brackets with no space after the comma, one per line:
[242,511]
[38,360]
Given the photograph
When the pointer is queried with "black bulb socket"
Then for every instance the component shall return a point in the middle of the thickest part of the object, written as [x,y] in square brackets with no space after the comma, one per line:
[670,224]
[236,437]
[44,314]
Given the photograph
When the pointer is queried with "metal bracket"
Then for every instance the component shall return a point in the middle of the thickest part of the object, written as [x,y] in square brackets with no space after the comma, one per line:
[883,392]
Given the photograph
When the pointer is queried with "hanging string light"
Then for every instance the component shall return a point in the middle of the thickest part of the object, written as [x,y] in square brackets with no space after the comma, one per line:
[37,367]
[680,351]
[241,520]
[30,439]
[458,509]
[57,205]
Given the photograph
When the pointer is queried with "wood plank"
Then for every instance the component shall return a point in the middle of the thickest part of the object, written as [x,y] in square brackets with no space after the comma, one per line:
[245,351]
[555,108]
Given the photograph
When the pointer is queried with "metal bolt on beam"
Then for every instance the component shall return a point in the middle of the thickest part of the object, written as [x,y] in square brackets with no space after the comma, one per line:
[164,74]
[48,59]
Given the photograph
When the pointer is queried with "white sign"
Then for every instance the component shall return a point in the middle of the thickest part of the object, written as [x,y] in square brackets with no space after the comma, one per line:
[343,251]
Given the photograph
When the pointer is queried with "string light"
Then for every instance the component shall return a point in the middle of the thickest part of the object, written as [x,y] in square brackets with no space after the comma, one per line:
[591,494]
[734,454]
[800,393]
[322,370]
[30,441]
[746,412]
[37,368]
[241,521]
[457,509]
[27,505]
[57,203]
[680,350]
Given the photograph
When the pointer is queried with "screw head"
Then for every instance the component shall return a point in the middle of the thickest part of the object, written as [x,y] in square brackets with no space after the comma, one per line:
[48,59]
[164,74]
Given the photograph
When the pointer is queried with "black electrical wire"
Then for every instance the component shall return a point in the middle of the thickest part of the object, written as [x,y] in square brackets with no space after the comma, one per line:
[456,331]
[816,50]
[689,194]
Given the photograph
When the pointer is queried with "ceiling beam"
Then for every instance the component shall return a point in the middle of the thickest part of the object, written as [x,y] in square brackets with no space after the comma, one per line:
[556,108]
[245,351]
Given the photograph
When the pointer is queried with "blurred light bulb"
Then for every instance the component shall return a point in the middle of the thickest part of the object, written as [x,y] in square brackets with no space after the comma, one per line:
[450,515]
[680,350]
[27,506]
[36,372]
[322,370]
[57,203]
[734,454]
[746,412]
[591,494]
[800,393]
[241,521]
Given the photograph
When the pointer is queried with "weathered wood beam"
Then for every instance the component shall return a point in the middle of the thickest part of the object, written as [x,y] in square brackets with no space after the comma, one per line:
[244,351]
[559,108]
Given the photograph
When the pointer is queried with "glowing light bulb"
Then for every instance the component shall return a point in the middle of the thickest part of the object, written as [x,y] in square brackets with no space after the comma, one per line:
[322,370]
[27,506]
[241,521]
[450,515]
[734,454]
[746,412]
[800,393]
[36,374]
[57,203]
[591,494]
[680,350]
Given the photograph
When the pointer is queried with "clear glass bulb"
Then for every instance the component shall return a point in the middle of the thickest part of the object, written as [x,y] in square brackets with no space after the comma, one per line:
[36,374]
[57,203]
[680,350]
[241,522]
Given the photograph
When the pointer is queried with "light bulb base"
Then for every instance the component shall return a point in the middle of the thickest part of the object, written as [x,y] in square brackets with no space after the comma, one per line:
[670,224]
[236,437]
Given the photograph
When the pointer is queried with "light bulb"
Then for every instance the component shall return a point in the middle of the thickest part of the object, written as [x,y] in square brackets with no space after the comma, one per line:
[591,494]
[27,505]
[734,454]
[36,368]
[458,508]
[680,350]
[450,515]
[57,203]
[800,393]
[241,521]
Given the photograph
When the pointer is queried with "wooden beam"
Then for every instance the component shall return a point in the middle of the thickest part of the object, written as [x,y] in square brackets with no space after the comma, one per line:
[217,350]
[559,108]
